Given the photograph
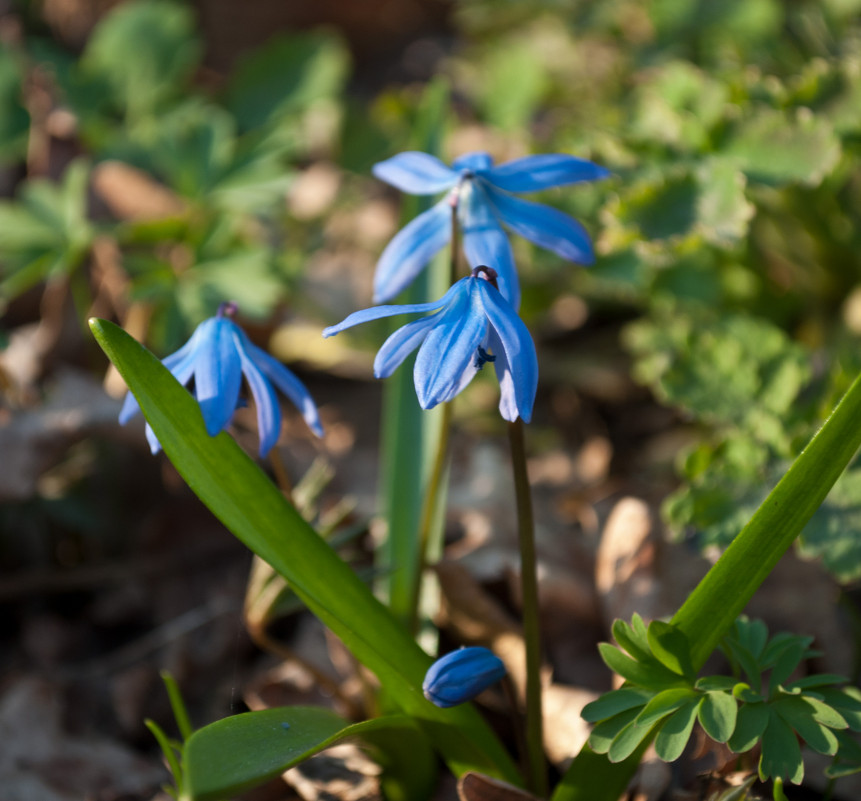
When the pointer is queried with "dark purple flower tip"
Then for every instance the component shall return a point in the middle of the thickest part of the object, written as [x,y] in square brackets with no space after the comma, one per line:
[461,675]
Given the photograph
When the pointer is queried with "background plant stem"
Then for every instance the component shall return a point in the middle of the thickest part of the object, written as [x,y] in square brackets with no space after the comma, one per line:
[531,620]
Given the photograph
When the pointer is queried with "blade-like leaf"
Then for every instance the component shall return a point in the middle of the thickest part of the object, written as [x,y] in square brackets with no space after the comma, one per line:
[244,499]
[242,751]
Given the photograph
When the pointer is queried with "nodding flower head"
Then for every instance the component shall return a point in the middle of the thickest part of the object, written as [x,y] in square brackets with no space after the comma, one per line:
[461,675]
[471,325]
[217,356]
[483,196]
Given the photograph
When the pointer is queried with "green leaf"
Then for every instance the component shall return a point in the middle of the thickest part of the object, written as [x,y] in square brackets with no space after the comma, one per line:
[614,702]
[14,118]
[289,74]
[244,499]
[784,666]
[243,751]
[168,749]
[830,534]
[606,731]
[664,703]
[846,701]
[781,753]
[717,715]
[746,660]
[410,767]
[177,705]
[723,210]
[706,683]
[653,676]
[750,724]
[671,648]
[676,731]
[513,83]
[848,758]
[627,740]
[410,435]
[635,643]
[146,50]
[773,147]
[816,680]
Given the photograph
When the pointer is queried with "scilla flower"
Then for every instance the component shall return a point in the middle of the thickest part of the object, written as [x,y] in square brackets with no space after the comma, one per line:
[484,200]
[472,324]
[461,675]
[216,357]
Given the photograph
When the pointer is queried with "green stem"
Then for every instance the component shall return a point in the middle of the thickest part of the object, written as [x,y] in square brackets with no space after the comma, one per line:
[429,507]
[531,625]
[438,471]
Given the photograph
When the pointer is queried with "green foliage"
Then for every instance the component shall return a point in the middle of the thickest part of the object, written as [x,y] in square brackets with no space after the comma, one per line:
[45,232]
[228,164]
[757,704]
[14,118]
[243,751]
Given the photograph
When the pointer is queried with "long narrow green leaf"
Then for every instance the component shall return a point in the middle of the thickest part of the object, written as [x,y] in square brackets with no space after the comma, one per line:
[242,497]
[410,435]
[243,751]
[725,590]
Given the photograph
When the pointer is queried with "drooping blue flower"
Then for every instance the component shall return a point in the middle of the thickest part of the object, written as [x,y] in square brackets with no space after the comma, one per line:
[472,324]
[217,356]
[461,675]
[483,194]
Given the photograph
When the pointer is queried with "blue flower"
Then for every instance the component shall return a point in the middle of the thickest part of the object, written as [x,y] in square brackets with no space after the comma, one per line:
[484,200]
[461,675]
[473,324]
[216,357]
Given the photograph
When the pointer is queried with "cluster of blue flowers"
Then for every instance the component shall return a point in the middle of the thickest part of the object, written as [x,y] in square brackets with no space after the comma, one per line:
[475,322]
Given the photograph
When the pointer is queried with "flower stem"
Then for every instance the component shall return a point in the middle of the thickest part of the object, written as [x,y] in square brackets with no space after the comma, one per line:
[434,487]
[431,501]
[531,628]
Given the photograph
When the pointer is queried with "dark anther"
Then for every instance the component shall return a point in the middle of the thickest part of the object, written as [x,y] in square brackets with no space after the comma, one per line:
[227,309]
[483,358]
[488,271]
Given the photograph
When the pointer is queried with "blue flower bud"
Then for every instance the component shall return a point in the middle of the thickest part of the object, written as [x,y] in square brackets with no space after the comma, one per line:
[461,675]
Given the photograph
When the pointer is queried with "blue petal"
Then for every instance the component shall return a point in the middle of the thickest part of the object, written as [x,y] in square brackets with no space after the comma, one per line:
[450,346]
[265,399]
[416,173]
[543,225]
[533,173]
[486,244]
[473,161]
[217,373]
[410,250]
[518,370]
[285,381]
[154,444]
[400,345]
[377,312]
[461,675]
[180,363]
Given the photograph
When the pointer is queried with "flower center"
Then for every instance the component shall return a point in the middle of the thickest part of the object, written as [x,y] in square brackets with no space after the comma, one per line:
[227,309]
